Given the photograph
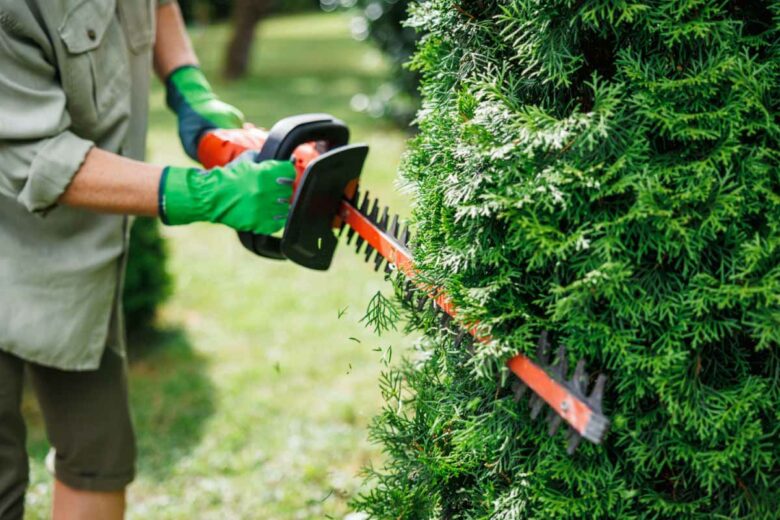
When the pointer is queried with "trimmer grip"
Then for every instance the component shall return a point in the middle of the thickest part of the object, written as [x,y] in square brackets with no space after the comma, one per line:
[219,147]
[282,140]
[301,138]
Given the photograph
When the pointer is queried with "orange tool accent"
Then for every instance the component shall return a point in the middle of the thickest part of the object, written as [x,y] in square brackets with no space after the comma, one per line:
[219,147]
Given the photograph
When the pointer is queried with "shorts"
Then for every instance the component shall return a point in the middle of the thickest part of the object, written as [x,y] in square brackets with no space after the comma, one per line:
[88,424]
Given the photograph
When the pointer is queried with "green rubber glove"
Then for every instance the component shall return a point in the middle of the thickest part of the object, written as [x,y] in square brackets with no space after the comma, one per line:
[244,194]
[189,94]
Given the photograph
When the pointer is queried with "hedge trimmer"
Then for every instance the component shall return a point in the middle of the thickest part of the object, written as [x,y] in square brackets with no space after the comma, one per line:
[327,201]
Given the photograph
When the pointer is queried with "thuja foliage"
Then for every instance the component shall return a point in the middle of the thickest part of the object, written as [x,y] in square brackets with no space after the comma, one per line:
[381,314]
[608,171]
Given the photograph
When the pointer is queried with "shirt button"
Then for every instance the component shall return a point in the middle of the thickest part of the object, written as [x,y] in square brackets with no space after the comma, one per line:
[91,34]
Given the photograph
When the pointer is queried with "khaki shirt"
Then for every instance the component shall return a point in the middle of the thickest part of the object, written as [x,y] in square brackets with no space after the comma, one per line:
[73,74]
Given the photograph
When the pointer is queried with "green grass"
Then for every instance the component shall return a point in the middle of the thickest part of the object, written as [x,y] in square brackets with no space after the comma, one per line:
[253,399]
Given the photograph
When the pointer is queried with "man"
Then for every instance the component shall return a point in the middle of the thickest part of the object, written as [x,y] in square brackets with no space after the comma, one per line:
[74,79]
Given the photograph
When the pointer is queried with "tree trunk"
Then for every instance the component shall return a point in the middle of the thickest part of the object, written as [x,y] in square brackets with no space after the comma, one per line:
[246,15]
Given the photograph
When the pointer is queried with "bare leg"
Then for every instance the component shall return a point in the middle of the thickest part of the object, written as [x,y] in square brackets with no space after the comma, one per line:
[74,504]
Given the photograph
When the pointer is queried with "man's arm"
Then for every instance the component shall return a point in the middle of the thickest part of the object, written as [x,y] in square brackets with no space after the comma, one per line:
[172,48]
[110,183]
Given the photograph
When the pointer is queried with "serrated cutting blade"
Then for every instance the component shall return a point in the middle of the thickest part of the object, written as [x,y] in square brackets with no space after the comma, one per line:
[547,382]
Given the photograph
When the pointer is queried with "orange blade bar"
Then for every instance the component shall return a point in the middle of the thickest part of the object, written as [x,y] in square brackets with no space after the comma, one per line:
[576,412]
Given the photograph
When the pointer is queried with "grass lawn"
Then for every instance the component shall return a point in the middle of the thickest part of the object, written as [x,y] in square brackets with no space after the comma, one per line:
[253,399]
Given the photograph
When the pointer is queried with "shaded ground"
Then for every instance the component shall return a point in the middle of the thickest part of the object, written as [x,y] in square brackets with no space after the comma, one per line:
[252,401]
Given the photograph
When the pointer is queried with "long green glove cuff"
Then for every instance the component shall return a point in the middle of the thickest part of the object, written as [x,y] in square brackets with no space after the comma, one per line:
[244,195]
[189,94]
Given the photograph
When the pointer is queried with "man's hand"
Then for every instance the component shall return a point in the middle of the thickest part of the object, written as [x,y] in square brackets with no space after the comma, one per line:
[245,195]
[197,107]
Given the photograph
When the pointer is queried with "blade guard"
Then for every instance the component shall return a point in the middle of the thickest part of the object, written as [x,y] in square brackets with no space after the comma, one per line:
[308,237]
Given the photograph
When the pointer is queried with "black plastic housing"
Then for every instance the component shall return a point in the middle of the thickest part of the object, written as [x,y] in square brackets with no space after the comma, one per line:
[308,238]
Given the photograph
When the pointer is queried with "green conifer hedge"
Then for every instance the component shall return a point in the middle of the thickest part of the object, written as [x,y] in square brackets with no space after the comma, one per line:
[607,170]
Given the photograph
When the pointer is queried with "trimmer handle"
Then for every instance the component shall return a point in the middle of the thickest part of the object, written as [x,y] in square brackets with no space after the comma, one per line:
[292,135]
[284,137]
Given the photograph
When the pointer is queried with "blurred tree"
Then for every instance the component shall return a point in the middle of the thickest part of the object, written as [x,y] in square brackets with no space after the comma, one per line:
[246,15]
[205,10]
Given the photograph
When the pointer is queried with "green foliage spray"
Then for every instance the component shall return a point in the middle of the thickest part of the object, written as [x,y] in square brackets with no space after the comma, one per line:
[609,171]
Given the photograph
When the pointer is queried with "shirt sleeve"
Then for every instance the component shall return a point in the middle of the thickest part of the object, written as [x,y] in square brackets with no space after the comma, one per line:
[38,154]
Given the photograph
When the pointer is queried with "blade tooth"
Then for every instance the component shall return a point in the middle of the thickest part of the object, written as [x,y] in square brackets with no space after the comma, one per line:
[374,211]
[369,250]
[555,421]
[445,320]
[596,428]
[421,301]
[363,209]
[469,342]
[518,390]
[389,268]
[355,197]
[352,200]
[574,441]
[382,224]
[594,399]
[364,203]
[459,338]
[536,405]
[409,291]
[394,227]
[543,349]
[350,235]
[580,378]
[404,238]
[562,363]
[579,371]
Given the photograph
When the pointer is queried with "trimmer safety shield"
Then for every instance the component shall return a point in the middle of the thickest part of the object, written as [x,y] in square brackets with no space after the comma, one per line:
[308,238]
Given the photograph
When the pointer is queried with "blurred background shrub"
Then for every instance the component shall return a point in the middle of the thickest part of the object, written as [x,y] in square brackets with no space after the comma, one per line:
[147,282]
[381,21]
